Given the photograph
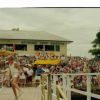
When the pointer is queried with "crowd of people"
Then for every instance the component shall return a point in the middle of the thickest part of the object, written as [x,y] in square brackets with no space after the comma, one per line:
[30,71]
[79,65]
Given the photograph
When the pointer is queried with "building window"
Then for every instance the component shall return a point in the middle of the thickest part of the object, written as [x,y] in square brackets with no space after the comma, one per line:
[49,47]
[8,47]
[57,48]
[38,47]
[21,47]
[1,46]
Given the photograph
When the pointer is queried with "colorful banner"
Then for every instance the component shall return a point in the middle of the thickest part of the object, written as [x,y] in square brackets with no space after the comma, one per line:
[47,62]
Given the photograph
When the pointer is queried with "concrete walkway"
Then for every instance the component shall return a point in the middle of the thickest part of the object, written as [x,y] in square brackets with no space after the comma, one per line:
[29,93]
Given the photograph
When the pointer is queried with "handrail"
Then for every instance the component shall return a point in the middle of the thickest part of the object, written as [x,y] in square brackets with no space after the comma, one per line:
[67,84]
[60,92]
[65,90]
[76,74]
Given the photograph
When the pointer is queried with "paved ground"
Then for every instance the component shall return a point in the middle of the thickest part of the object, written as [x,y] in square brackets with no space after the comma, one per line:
[30,93]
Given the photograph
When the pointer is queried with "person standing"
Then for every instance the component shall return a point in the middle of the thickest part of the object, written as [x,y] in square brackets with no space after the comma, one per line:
[38,73]
[15,73]
[29,75]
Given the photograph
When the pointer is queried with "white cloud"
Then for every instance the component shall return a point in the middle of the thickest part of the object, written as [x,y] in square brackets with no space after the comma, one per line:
[77,24]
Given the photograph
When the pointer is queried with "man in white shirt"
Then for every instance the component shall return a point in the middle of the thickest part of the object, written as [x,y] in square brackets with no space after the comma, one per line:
[29,75]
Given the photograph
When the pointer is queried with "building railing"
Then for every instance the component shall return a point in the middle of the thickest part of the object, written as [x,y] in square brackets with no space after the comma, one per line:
[67,88]
[63,90]
[60,92]
[46,90]
[1,81]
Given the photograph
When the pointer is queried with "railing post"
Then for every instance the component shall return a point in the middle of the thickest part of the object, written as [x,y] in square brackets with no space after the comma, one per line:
[68,88]
[2,79]
[64,83]
[57,94]
[49,88]
[42,89]
[54,83]
[88,86]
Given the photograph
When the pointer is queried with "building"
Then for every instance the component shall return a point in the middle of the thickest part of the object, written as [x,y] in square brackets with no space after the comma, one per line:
[33,42]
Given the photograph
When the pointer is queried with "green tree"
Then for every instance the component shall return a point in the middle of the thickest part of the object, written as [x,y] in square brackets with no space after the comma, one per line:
[96,45]
[15,29]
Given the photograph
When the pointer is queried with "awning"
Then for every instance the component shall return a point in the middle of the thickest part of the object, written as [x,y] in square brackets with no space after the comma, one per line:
[54,62]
